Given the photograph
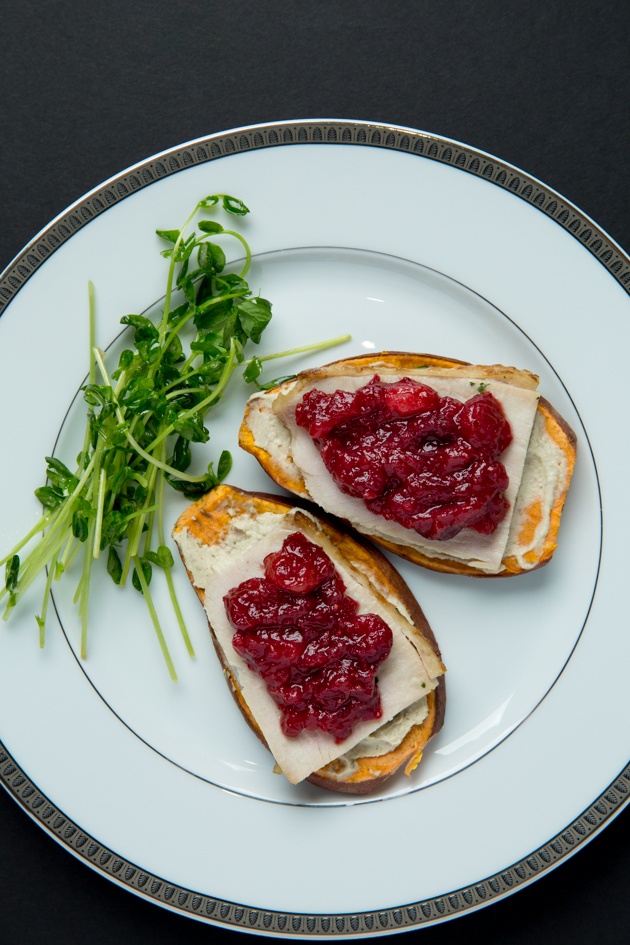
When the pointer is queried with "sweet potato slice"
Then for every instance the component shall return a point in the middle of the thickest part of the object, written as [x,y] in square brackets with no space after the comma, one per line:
[533,536]
[209,520]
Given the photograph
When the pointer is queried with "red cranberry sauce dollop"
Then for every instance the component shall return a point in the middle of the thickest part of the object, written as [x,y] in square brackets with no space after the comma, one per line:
[298,629]
[428,462]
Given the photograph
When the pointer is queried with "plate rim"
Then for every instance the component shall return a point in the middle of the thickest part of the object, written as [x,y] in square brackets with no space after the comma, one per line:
[433,147]
[105,861]
[272,923]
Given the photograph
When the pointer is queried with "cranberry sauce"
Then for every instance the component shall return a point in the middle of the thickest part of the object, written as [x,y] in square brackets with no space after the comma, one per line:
[425,461]
[299,630]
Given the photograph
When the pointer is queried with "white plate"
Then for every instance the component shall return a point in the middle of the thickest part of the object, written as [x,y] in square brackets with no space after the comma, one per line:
[408,242]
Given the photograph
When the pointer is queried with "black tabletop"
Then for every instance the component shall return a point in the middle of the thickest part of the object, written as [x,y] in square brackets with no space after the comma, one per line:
[87,90]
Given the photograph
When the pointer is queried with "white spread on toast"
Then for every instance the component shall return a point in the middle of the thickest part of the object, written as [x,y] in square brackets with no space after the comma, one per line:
[484,552]
[545,477]
[381,742]
[409,673]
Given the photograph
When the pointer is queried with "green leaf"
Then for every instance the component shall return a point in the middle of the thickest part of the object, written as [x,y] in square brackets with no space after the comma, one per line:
[115,525]
[253,370]
[115,438]
[83,511]
[277,381]
[182,455]
[166,376]
[162,558]
[205,289]
[142,384]
[189,290]
[171,235]
[209,345]
[185,249]
[174,353]
[209,371]
[206,318]
[114,566]
[182,275]
[60,476]
[98,395]
[177,313]
[11,573]
[80,526]
[231,282]
[81,505]
[225,464]
[148,573]
[148,350]
[55,466]
[210,226]
[239,340]
[211,258]
[208,202]
[145,329]
[254,315]
[234,205]
[138,431]
[140,494]
[192,428]
[167,412]
[124,363]
[192,490]
[49,498]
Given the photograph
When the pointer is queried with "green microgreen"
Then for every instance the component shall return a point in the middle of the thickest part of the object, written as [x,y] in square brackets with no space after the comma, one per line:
[153,404]
[11,572]
[482,387]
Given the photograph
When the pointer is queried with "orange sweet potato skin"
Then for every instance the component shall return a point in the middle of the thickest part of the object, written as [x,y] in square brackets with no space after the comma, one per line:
[405,360]
[208,520]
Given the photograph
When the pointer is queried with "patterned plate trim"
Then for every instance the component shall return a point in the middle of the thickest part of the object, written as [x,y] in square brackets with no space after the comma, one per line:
[54,821]
[304,132]
[246,918]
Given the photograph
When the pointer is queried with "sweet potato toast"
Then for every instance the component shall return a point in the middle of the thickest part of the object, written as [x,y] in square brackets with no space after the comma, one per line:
[210,523]
[546,472]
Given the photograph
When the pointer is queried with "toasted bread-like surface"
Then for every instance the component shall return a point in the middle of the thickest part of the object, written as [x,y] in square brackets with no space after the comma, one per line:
[209,520]
[530,547]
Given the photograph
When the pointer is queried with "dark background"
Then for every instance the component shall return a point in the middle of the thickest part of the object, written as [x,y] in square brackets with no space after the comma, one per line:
[86,91]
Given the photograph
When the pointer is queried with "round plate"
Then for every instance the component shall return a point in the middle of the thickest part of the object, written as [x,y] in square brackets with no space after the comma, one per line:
[408,242]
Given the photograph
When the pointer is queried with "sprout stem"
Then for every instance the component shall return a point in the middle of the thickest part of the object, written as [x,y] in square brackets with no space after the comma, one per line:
[99,513]
[43,522]
[248,252]
[154,618]
[167,571]
[85,589]
[316,347]
[41,621]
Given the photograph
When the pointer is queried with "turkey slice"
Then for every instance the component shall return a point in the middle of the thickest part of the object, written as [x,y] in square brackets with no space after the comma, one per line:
[410,671]
[519,404]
